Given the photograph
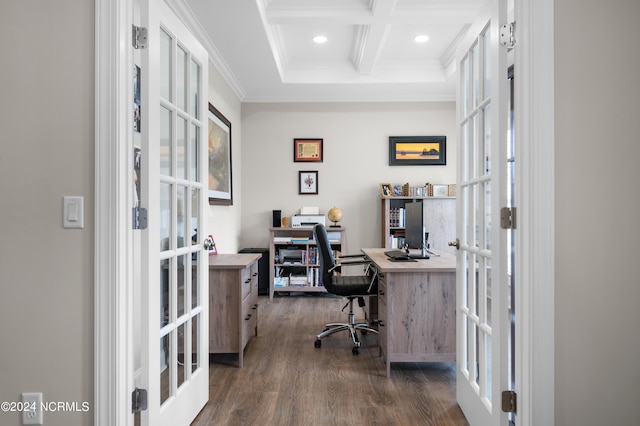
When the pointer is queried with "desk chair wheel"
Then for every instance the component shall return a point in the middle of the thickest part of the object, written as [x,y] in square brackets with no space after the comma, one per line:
[363,332]
[318,343]
[355,350]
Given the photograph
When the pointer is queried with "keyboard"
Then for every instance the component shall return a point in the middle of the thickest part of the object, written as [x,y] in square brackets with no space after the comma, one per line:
[401,256]
[397,255]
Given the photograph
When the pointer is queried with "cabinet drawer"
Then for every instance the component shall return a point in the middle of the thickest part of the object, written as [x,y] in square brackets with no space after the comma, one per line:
[249,323]
[383,319]
[245,278]
[382,288]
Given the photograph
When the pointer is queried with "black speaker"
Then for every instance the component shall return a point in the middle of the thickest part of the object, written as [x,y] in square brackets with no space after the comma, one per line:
[263,268]
[277,218]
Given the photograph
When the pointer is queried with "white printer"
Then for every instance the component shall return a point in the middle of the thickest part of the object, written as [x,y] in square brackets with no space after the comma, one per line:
[306,220]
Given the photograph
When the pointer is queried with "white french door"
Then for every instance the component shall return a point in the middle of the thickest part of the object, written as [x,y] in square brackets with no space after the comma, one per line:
[174,265]
[482,295]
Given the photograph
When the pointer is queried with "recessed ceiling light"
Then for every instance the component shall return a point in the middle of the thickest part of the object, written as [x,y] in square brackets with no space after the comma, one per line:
[320,39]
[421,39]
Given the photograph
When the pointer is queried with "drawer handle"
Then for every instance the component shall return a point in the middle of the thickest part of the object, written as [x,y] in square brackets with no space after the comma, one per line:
[255,274]
[248,317]
[247,281]
[380,293]
[255,307]
[380,323]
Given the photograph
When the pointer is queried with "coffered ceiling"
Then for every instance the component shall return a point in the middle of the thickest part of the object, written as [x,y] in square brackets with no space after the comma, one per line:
[265,48]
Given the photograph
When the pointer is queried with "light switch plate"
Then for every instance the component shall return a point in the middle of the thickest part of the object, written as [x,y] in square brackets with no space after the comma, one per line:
[73,212]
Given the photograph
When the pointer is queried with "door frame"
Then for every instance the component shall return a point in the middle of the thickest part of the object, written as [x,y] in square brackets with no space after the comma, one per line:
[535,177]
[112,277]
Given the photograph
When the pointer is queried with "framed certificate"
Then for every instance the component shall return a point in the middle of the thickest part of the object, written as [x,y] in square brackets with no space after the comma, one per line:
[307,150]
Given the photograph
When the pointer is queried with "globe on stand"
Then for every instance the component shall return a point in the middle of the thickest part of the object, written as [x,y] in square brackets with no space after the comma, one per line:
[335,216]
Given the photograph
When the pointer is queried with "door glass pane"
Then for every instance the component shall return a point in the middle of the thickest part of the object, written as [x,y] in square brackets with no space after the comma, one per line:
[182,284]
[165,277]
[181,79]
[165,65]
[487,367]
[487,214]
[467,278]
[195,223]
[477,217]
[194,89]
[195,355]
[464,69]
[182,346]
[475,52]
[195,291]
[487,281]
[193,153]
[486,37]
[165,216]
[475,153]
[474,285]
[487,139]
[475,377]
[181,146]
[165,141]
[181,216]
[464,143]
[165,374]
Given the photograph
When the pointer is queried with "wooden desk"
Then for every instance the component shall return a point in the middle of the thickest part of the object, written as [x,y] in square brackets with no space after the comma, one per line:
[416,308]
[233,302]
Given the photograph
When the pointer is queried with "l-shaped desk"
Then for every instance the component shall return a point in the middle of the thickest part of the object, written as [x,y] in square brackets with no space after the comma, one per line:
[416,308]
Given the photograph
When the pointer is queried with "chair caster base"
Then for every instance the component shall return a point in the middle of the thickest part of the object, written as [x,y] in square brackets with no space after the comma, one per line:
[318,343]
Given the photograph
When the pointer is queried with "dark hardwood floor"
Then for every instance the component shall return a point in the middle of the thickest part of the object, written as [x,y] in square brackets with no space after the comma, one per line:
[287,381]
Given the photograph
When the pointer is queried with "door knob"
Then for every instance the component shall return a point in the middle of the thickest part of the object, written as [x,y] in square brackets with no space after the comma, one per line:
[455,244]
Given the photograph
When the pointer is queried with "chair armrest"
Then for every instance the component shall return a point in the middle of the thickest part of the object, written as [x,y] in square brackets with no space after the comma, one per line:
[347,256]
[349,263]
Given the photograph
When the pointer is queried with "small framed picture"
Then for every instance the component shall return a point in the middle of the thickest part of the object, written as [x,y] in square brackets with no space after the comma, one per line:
[417,150]
[308,182]
[386,190]
[307,150]
[211,245]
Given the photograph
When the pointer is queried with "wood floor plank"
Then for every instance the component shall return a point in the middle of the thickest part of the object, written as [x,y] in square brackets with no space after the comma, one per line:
[287,381]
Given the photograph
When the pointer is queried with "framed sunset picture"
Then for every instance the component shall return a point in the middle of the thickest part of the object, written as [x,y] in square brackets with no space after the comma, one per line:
[417,150]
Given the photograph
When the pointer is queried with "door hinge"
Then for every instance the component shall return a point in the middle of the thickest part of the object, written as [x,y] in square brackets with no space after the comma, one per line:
[139,37]
[139,400]
[508,218]
[508,35]
[139,218]
[509,401]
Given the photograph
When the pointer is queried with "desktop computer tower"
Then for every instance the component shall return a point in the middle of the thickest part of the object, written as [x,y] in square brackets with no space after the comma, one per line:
[263,268]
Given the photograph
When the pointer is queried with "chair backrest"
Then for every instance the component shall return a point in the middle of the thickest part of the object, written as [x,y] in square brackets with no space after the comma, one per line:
[327,261]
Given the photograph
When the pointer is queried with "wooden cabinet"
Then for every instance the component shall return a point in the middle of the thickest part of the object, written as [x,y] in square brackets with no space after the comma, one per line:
[233,302]
[439,220]
[416,306]
[293,258]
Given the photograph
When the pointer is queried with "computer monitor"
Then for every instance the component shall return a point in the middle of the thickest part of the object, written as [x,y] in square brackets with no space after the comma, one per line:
[414,231]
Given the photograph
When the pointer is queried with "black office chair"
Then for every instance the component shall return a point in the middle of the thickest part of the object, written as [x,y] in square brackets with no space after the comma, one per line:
[352,287]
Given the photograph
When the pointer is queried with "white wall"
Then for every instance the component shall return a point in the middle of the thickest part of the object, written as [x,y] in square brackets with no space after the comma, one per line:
[224,221]
[47,140]
[356,158]
[597,210]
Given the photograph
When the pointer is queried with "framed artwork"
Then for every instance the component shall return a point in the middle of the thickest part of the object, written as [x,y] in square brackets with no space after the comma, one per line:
[220,173]
[386,190]
[417,150]
[211,245]
[308,182]
[307,150]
